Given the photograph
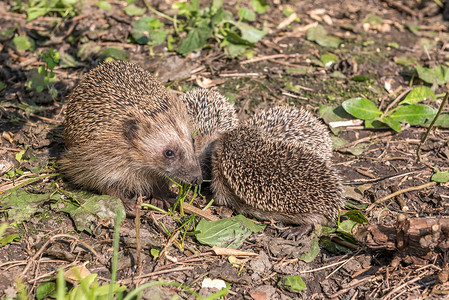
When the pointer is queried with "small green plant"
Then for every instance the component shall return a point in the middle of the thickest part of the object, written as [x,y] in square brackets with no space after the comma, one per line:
[406,111]
[44,77]
[235,36]
[39,8]
[194,27]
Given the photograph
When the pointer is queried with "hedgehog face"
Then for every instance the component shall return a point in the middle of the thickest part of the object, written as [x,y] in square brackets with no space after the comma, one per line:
[168,153]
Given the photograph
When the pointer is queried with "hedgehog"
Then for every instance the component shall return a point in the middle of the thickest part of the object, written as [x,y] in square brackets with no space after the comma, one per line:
[270,179]
[298,126]
[125,135]
[211,115]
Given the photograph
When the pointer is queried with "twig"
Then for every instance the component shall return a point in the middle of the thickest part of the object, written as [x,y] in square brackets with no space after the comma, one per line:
[190,209]
[413,188]
[52,239]
[180,269]
[365,139]
[160,14]
[356,284]
[7,188]
[402,286]
[10,149]
[344,263]
[44,118]
[398,98]
[266,58]
[418,151]
[240,75]
[163,253]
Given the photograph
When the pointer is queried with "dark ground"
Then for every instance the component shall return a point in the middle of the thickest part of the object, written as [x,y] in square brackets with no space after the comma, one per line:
[362,273]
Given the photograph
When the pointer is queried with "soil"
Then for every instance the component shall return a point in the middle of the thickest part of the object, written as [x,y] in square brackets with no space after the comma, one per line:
[370,267]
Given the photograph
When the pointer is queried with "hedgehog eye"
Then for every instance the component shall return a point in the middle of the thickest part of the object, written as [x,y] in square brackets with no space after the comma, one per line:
[169,153]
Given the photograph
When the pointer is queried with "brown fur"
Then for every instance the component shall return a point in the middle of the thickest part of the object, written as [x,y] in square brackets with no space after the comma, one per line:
[119,123]
[267,178]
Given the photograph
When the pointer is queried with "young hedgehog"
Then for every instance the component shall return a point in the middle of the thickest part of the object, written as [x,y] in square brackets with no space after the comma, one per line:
[268,178]
[212,115]
[125,134]
[296,125]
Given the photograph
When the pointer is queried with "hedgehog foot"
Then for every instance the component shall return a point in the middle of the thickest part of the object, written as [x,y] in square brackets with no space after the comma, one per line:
[297,232]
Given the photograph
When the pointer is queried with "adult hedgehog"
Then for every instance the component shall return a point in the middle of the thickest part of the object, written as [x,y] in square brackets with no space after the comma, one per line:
[125,135]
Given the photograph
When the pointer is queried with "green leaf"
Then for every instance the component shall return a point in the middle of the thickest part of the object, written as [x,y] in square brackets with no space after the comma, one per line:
[292,283]
[8,239]
[195,40]
[346,226]
[19,155]
[405,61]
[440,177]
[233,50]
[132,10]
[2,86]
[355,150]
[8,33]
[227,233]
[393,45]
[21,205]
[288,11]
[313,251]
[260,6]
[45,289]
[246,14]
[356,216]
[216,5]
[299,70]
[373,20]
[418,94]
[22,43]
[329,59]
[104,5]
[392,123]
[93,208]
[68,61]
[250,33]
[442,121]
[114,53]
[414,114]
[438,74]
[361,108]
[319,35]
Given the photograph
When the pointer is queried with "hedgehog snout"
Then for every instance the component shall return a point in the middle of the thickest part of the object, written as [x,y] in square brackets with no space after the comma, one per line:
[197,180]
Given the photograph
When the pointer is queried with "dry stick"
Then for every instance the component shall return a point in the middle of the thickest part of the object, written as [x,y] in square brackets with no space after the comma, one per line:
[164,251]
[418,151]
[52,239]
[395,101]
[265,58]
[368,138]
[356,284]
[402,286]
[413,188]
[341,266]
[180,269]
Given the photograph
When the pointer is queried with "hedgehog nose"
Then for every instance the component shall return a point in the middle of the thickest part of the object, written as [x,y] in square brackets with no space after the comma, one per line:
[197,180]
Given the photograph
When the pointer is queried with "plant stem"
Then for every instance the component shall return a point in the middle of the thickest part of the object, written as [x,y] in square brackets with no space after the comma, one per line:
[418,151]
[160,14]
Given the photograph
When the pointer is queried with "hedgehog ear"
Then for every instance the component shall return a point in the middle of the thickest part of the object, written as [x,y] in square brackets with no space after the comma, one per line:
[130,129]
